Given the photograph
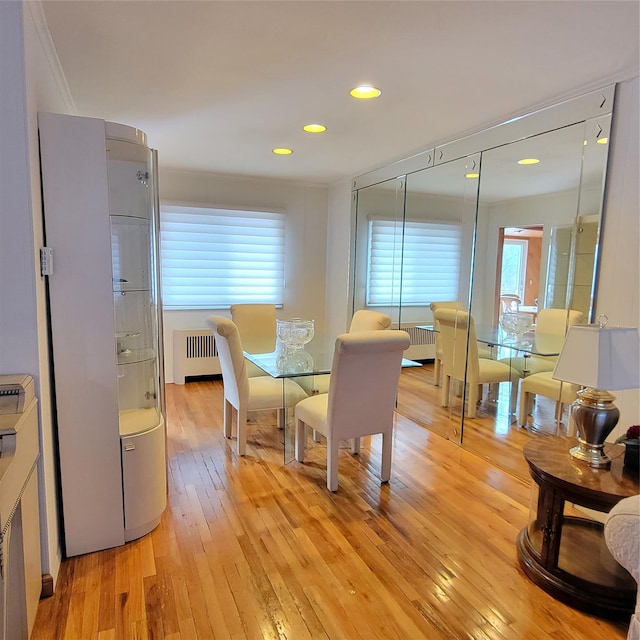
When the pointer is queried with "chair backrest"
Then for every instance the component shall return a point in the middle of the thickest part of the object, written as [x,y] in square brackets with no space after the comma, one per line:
[257,326]
[557,321]
[457,328]
[365,320]
[364,382]
[551,327]
[434,306]
[232,361]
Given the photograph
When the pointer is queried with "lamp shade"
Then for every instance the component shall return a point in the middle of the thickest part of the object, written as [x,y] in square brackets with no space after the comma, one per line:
[600,357]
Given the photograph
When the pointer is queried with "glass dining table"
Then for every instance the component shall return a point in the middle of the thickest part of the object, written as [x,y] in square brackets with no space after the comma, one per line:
[304,371]
[532,343]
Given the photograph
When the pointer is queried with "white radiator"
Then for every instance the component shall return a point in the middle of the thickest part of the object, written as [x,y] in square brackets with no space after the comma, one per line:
[423,343]
[194,354]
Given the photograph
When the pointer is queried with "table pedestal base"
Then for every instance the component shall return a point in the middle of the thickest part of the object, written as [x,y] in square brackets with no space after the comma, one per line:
[606,601]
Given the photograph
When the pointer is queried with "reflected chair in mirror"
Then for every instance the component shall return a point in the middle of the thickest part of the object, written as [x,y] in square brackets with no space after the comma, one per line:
[362,320]
[544,385]
[366,320]
[257,326]
[457,330]
[361,400]
[242,393]
[552,325]
[437,362]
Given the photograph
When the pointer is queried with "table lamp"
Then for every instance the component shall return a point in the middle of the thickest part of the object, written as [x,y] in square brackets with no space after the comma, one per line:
[601,359]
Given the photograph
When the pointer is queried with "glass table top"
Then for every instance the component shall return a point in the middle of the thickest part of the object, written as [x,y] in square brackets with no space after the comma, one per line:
[532,342]
[316,361]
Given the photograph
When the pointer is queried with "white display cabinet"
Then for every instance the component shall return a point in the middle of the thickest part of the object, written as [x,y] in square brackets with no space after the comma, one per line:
[100,212]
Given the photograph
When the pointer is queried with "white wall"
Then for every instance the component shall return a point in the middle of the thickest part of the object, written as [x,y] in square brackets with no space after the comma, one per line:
[306,239]
[30,81]
[339,239]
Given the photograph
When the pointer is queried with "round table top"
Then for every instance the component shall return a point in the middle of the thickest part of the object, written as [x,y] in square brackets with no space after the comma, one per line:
[550,462]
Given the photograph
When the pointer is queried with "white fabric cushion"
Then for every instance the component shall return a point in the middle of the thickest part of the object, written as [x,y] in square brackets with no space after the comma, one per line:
[266,393]
[622,535]
[545,385]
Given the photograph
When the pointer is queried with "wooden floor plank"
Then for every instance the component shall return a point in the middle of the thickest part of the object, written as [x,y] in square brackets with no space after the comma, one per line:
[250,548]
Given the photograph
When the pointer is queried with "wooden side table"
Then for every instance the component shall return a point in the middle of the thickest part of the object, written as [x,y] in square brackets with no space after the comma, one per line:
[563,553]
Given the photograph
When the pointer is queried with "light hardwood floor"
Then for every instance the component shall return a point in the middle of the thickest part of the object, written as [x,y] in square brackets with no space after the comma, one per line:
[250,548]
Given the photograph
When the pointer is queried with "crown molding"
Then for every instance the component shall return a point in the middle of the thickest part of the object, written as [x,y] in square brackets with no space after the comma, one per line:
[41,28]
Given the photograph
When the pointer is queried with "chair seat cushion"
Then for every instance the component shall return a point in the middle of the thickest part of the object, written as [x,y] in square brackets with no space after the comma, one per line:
[532,364]
[266,393]
[313,411]
[494,371]
[545,385]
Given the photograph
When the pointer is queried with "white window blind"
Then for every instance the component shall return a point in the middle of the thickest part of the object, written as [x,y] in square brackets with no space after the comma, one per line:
[412,263]
[213,258]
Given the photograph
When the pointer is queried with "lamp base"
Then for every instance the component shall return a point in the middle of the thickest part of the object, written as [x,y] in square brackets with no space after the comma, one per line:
[595,417]
[593,455]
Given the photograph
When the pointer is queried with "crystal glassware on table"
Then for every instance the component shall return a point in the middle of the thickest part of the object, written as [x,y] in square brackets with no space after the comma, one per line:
[293,335]
[516,324]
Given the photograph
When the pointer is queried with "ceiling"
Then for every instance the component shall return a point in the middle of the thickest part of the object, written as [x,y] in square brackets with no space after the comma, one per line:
[216,85]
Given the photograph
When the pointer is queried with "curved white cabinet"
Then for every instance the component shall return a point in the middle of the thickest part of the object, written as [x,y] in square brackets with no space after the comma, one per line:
[100,212]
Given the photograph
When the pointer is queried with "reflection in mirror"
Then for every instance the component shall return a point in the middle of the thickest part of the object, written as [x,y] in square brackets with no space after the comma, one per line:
[538,227]
[412,257]
[378,248]
[518,231]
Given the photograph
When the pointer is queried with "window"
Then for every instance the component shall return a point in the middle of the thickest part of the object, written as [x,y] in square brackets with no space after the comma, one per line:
[414,264]
[213,258]
[514,267]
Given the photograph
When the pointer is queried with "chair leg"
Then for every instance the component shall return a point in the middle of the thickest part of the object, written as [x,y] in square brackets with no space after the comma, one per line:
[242,431]
[513,396]
[355,446]
[472,400]
[332,463]
[444,393]
[387,441]
[227,411]
[301,436]
[524,408]
[559,408]
[436,371]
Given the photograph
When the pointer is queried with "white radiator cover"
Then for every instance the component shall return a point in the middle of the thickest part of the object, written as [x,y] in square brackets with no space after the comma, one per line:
[194,354]
[423,343]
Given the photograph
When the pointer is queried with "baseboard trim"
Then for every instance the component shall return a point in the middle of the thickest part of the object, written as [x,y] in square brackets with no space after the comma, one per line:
[47,586]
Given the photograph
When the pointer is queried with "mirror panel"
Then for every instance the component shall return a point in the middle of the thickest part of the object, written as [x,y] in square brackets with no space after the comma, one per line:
[527,231]
[378,248]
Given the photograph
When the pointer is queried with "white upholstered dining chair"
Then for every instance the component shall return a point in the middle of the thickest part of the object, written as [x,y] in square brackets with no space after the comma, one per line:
[362,320]
[551,325]
[367,320]
[257,326]
[242,393]
[457,329]
[361,399]
[437,362]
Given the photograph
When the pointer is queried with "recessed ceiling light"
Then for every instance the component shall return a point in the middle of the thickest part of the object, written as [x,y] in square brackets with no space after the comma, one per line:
[602,140]
[314,128]
[281,151]
[365,92]
[528,161]
[472,175]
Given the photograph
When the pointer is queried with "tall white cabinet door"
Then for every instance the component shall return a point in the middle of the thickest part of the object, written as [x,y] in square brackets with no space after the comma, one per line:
[145,480]
[77,228]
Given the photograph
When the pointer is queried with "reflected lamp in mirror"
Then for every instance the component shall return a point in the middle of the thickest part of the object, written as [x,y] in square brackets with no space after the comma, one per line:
[601,359]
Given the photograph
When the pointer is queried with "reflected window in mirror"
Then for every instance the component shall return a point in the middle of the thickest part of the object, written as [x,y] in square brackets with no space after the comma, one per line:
[427,269]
